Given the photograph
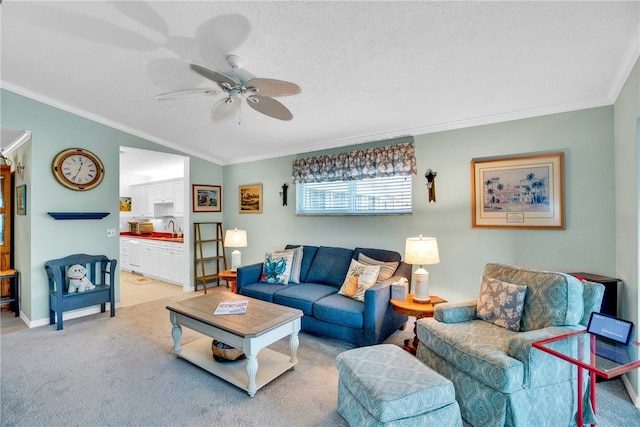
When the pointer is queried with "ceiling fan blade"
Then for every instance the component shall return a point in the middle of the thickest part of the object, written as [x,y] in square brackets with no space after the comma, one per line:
[273,87]
[225,109]
[187,93]
[215,76]
[269,107]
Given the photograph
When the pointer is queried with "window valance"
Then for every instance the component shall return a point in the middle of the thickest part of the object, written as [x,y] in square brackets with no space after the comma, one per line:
[391,160]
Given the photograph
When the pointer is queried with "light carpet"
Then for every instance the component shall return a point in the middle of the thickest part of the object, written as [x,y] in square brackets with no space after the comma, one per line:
[121,371]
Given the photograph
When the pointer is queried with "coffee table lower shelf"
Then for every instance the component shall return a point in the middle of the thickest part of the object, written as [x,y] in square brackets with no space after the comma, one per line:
[272,364]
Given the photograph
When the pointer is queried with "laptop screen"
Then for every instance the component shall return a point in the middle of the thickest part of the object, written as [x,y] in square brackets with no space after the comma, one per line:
[610,327]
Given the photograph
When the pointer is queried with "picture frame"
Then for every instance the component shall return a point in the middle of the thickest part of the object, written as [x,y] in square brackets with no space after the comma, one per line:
[207,198]
[250,199]
[21,199]
[521,191]
[125,204]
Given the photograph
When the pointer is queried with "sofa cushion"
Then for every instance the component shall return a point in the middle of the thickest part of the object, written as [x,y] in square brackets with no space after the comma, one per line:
[386,268]
[330,266]
[277,267]
[379,254]
[553,299]
[338,309]
[302,296]
[478,348]
[308,253]
[501,303]
[262,291]
[296,264]
[360,277]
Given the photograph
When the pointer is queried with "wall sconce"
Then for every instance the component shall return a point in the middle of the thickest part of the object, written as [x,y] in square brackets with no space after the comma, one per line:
[431,184]
[283,193]
[20,170]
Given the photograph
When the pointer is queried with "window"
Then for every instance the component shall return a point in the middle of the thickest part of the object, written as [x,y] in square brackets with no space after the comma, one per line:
[374,196]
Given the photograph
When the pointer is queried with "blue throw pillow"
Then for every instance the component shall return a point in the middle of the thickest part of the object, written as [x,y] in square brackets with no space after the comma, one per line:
[277,267]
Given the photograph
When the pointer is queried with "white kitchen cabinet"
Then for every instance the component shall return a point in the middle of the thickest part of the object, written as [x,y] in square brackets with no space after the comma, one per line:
[158,198]
[124,254]
[178,198]
[165,268]
[178,266]
[163,192]
[149,257]
[161,260]
[141,200]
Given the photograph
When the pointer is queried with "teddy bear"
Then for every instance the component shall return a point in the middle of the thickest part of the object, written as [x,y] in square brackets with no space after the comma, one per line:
[78,281]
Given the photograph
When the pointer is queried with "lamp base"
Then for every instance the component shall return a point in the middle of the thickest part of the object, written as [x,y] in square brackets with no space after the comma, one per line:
[418,300]
[235,260]
[421,286]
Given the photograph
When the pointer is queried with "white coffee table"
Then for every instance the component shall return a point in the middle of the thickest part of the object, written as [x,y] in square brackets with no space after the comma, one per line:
[263,324]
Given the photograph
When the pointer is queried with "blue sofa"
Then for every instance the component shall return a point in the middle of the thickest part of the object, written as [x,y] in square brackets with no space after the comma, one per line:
[326,312]
[499,378]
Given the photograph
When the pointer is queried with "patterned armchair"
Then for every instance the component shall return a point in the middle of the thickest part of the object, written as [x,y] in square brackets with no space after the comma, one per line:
[499,378]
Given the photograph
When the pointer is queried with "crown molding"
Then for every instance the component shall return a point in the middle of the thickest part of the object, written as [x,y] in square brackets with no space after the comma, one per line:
[102,120]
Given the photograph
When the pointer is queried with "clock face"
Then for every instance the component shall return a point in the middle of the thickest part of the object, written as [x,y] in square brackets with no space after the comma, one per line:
[77,169]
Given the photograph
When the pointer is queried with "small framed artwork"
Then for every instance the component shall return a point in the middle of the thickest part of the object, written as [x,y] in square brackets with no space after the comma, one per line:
[250,198]
[207,198]
[125,204]
[518,191]
[21,199]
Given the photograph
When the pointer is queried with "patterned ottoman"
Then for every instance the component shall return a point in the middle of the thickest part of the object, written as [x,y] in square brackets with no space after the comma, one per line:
[383,385]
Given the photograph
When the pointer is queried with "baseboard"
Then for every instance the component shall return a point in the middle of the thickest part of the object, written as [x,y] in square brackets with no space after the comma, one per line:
[67,315]
[632,393]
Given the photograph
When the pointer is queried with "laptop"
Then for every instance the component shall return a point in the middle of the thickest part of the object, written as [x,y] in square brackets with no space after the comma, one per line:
[613,336]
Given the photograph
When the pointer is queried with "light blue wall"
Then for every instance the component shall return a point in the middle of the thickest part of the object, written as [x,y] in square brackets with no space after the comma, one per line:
[587,244]
[627,159]
[53,130]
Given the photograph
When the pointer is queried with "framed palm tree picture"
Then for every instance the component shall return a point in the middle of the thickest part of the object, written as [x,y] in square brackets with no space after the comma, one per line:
[523,191]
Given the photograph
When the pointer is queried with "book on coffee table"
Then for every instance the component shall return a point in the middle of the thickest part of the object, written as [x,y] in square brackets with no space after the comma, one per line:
[232,307]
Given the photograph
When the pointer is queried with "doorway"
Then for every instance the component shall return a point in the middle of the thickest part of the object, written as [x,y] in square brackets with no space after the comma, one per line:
[142,171]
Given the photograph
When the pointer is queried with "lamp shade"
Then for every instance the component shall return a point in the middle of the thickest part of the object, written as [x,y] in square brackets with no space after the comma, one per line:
[235,238]
[421,251]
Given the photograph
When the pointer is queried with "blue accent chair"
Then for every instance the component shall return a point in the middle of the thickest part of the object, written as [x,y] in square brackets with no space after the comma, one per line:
[499,378]
[100,271]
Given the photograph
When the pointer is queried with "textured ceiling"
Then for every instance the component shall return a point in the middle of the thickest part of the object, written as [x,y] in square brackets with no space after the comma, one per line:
[368,70]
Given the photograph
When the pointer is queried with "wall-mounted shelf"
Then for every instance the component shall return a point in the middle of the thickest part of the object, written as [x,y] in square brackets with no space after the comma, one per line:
[78,215]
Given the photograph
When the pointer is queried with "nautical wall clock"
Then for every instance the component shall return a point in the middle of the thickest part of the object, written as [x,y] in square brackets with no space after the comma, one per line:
[77,169]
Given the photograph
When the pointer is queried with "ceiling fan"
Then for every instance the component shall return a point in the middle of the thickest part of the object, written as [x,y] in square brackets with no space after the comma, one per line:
[236,85]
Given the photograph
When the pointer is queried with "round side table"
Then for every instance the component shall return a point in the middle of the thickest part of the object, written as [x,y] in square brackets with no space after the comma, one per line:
[418,310]
[230,277]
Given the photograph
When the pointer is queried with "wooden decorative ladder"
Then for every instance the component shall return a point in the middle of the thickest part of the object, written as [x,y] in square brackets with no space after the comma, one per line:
[208,252]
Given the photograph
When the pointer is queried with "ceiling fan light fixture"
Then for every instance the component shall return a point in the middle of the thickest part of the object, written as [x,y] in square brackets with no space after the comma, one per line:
[258,92]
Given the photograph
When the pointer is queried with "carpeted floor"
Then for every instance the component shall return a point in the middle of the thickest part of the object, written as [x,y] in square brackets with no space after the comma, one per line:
[121,371]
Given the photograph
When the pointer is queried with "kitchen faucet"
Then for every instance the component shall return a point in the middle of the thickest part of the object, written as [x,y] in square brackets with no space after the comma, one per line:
[173,228]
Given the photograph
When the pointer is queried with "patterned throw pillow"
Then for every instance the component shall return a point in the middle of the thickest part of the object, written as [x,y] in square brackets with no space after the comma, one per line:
[386,268]
[501,303]
[296,264]
[277,267]
[360,277]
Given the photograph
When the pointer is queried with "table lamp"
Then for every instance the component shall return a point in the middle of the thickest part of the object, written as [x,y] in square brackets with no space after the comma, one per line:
[421,251]
[235,239]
